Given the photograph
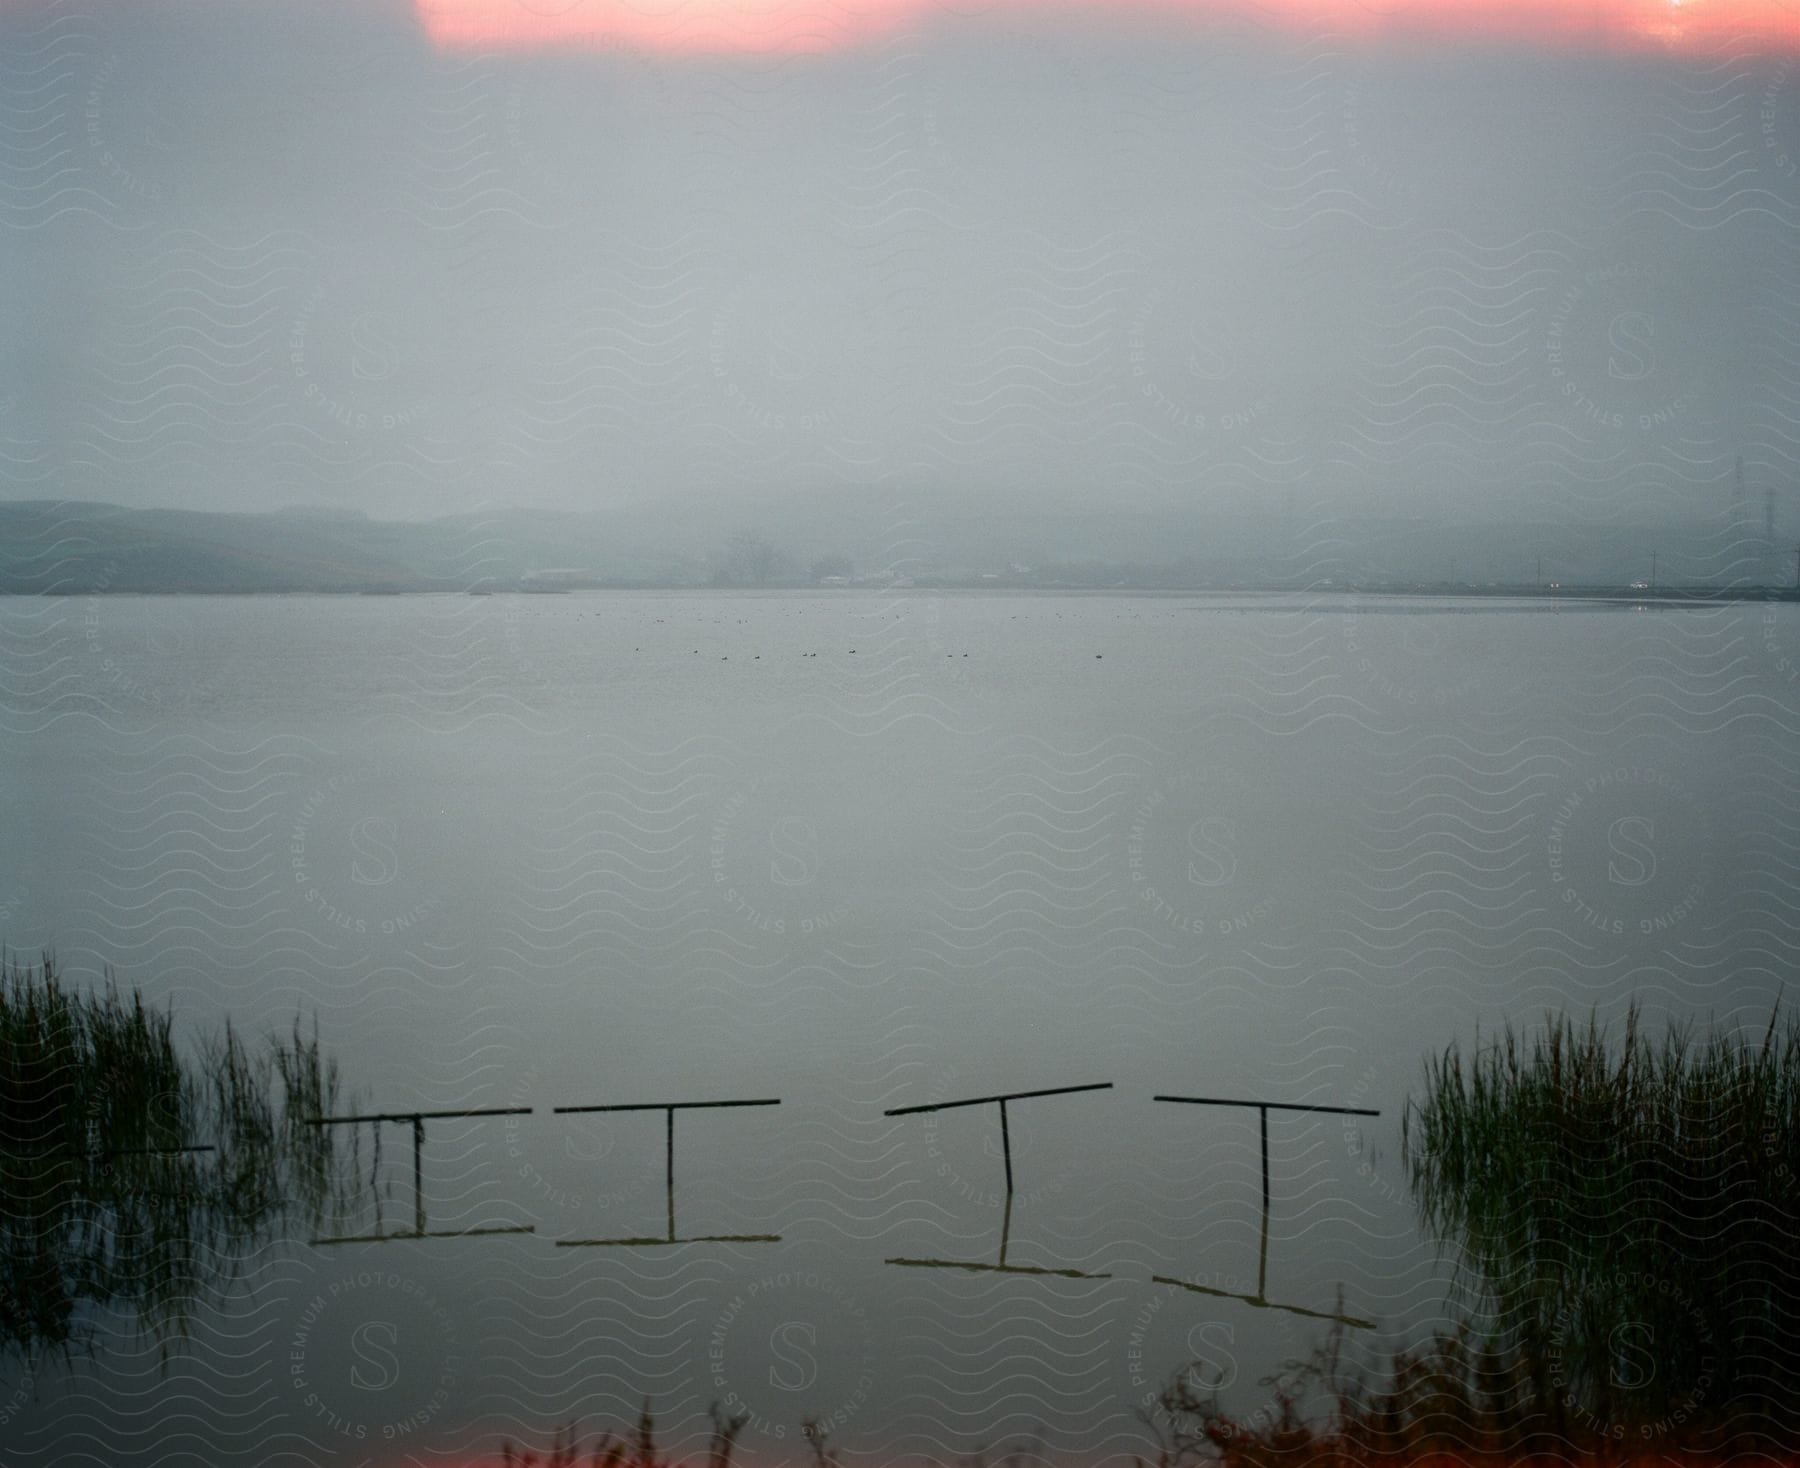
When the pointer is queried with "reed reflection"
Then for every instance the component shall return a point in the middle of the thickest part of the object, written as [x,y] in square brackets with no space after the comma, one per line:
[136,1180]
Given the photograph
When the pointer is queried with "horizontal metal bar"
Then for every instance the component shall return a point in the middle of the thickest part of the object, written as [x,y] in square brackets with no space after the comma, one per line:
[419,1115]
[732,1239]
[986,1100]
[1262,1304]
[643,1243]
[8,1145]
[975,1268]
[436,1233]
[665,1243]
[662,1106]
[1268,1105]
[150,1151]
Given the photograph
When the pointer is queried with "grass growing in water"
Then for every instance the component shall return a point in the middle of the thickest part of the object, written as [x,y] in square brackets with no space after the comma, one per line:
[134,1179]
[1624,1217]
[1628,1212]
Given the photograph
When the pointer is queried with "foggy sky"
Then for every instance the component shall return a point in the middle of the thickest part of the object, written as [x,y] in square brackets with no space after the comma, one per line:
[263,254]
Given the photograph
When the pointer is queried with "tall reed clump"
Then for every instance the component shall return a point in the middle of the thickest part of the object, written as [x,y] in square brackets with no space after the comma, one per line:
[1628,1213]
[133,1178]
[1626,1219]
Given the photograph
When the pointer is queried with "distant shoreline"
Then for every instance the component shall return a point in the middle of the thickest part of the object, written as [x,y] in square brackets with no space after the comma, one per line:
[1628,595]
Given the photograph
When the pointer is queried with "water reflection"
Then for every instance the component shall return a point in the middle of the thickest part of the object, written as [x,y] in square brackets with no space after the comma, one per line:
[138,1181]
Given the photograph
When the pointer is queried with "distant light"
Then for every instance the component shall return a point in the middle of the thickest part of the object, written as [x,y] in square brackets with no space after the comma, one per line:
[802,27]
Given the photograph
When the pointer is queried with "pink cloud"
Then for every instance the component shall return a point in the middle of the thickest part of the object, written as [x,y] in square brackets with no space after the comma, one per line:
[800,27]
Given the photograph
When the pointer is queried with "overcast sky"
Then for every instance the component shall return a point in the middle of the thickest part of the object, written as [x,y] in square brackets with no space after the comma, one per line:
[563,252]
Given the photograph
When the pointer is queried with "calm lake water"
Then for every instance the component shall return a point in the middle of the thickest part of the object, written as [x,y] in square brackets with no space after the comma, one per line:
[862,851]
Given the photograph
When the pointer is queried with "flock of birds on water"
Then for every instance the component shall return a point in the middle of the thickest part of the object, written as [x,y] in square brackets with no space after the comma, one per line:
[757,657]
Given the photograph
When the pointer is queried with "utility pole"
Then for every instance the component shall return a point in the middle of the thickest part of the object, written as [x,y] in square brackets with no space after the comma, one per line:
[1653,570]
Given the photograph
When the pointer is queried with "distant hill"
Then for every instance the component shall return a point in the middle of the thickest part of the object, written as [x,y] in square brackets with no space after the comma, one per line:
[68,547]
[71,547]
[65,547]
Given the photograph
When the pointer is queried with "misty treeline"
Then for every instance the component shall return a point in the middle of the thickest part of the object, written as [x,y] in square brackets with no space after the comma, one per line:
[138,1175]
[750,558]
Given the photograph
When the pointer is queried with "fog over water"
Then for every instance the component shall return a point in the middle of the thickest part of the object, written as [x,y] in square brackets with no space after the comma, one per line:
[858,851]
[290,252]
[1352,296]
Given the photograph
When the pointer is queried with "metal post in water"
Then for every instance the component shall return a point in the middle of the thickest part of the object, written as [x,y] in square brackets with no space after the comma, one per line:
[1262,1258]
[418,1120]
[668,1108]
[671,1173]
[1001,1266]
[1006,1148]
[1261,1297]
